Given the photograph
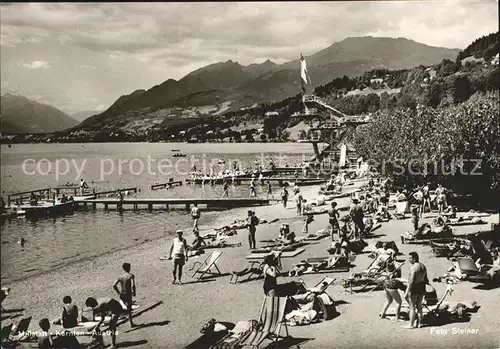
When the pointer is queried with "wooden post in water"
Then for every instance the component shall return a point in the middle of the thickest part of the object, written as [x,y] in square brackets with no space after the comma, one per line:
[150,207]
[187,207]
[94,205]
[167,206]
[105,207]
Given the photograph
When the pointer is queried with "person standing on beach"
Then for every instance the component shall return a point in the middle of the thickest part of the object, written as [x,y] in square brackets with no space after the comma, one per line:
[178,252]
[309,219]
[270,274]
[252,188]
[252,222]
[195,214]
[127,289]
[226,190]
[357,215]
[416,290]
[102,307]
[298,201]
[333,215]
[284,196]
[269,190]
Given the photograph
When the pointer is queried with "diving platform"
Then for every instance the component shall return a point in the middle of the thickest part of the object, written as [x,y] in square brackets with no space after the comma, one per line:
[151,203]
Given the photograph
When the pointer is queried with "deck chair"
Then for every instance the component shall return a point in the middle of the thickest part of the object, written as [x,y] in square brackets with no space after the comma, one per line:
[384,276]
[19,333]
[467,266]
[205,266]
[342,264]
[271,320]
[400,209]
[321,286]
[253,268]
[5,333]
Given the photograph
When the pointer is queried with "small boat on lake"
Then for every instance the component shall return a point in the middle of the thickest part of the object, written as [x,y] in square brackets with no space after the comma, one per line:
[175,150]
[179,155]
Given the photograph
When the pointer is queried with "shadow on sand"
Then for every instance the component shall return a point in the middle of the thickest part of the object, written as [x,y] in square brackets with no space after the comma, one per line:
[151,324]
[288,342]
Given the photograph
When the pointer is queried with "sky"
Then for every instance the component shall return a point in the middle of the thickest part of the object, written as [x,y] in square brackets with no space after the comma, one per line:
[84,56]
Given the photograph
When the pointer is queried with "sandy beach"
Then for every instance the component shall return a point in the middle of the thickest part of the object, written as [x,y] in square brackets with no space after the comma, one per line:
[186,308]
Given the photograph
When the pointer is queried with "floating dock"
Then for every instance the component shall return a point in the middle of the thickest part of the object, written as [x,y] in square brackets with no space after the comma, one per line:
[167,203]
[171,183]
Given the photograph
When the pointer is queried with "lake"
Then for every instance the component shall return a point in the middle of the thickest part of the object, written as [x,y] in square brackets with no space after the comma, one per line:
[53,243]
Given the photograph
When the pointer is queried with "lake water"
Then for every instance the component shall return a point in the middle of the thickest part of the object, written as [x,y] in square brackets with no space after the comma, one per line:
[53,243]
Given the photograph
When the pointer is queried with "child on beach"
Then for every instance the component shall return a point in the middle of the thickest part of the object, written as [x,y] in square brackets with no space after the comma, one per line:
[195,214]
[178,251]
[284,197]
[269,190]
[127,289]
[252,188]
[298,201]
[46,340]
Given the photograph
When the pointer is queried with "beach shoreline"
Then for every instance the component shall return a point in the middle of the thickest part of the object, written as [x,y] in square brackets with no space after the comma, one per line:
[185,309]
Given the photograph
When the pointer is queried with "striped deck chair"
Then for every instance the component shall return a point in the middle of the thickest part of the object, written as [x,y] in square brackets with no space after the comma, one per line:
[205,266]
[272,318]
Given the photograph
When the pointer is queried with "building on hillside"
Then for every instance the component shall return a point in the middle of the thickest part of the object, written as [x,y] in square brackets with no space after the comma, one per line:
[376,81]
[495,59]
[271,113]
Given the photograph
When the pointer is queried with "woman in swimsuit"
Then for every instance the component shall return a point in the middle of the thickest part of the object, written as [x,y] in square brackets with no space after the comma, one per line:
[270,273]
[392,287]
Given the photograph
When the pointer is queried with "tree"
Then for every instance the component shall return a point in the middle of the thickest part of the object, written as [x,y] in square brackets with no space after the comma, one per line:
[435,141]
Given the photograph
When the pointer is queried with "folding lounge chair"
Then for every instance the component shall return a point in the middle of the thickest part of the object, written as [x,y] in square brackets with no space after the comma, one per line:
[469,268]
[317,262]
[205,266]
[253,268]
[321,286]
[401,209]
[384,276]
[5,333]
[272,318]
[13,337]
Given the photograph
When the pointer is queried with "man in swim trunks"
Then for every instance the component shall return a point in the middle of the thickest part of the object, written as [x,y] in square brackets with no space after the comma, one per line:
[127,289]
[178,252]
[416,289]
[333,216]
[103,307]
[195,214]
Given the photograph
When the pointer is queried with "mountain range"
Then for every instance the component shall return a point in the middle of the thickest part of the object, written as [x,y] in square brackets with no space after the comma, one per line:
[82,115]
[224,86]
[22,115]
[236,86]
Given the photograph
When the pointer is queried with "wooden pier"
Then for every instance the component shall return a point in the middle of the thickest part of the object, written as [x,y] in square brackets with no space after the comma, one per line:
[166,203]
[171,183]
[281,180]
[76,191]
[45,192]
